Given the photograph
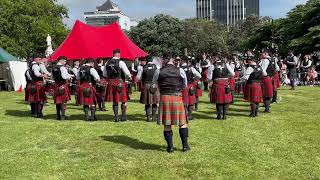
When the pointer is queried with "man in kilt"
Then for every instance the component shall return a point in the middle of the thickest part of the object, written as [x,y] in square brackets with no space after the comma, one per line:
[189,92]
[172,80]
[292,63]
[150,94]
[76,82]
[197,83]
[253,90]
[268,69]
[116,71]
[61,88]
[37,96]
[220,90]
[28,80]
[205,64]
[276,79]
[88,79]
[102,86]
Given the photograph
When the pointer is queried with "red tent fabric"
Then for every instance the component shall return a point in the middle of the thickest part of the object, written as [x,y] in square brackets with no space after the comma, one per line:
[86,41]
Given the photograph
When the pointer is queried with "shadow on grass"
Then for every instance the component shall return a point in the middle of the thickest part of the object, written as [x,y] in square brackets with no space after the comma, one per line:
[133,143]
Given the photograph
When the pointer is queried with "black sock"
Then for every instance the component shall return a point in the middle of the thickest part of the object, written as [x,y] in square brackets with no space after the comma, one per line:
[86,112]
[124,112]
[184,134]
[154,112]
[93,113]
[58,109]
[168,137]
[116,112]
[225,110]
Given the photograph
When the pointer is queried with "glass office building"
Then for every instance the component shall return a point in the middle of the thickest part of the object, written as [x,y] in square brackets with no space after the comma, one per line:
[226,11]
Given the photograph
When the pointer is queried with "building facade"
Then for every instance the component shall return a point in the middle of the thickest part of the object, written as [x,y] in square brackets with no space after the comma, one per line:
[227,12]
[109,13]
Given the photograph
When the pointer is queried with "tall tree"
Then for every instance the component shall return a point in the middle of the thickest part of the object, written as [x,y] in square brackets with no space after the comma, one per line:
[158,35]
[25,24]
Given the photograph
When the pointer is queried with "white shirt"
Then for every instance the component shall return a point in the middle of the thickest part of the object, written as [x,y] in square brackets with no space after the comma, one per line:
[211,68]
[122,66]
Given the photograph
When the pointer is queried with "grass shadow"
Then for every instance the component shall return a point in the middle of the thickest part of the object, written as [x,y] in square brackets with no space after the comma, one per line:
[133,143]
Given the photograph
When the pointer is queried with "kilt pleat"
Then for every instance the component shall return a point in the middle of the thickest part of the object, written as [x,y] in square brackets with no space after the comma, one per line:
[218,94]
[253,92]
[267,87]
[199,90]
[147,97]
[112,93]
[172,111]
[232,82]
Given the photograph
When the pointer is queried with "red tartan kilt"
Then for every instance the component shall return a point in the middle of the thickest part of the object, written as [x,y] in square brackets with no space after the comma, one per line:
[87,100]
[187,98]
[113,95]
[267,87]
[276,79]
[218,95]
[172,111]
[232,82]
[204,75]
[134,77]
[40,95]
[253,92]
[237,74]
[199,91]
[58,98]
[49,88]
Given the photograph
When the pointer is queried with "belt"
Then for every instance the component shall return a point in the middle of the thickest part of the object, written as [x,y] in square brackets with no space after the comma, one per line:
[171,94]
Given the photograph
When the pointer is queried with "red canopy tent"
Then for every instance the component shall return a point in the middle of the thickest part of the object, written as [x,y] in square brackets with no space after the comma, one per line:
[86,41]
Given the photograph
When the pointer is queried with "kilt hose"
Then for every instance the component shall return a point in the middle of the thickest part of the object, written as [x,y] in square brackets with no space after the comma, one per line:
[101,90]
[276,81]
[87,100]
[218,93]
[204,74]
[37,93]
[172,111]
[199,90]
[147,97]
[253,92]
[232,82]
[267,87]
[61,98]
[113,94]
[188,99]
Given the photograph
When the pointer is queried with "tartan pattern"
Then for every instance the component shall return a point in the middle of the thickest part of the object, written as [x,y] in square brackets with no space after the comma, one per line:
[199,91]
[26,93]
[187,98]
[113,95]
[276,81]
[172,111]
[60,99]
[91,100]
[218,95]
[147,97]
[204,74]
[232,82]
[40,95]
[101,91]
[267,87]
[253,92]
[74,90]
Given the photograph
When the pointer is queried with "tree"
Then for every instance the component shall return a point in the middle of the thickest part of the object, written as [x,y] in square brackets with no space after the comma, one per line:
[25,24]
[158,35]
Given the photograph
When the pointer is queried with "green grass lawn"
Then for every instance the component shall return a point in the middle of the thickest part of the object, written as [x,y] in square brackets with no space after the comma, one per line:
[281,145]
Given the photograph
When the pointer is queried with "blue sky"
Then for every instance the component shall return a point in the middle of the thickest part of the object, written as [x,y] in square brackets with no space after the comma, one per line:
[140,9]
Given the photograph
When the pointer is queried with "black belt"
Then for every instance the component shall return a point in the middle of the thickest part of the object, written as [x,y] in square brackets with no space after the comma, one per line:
[170,94]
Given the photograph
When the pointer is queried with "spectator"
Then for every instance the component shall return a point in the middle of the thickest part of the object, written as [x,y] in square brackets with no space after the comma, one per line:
[311,76]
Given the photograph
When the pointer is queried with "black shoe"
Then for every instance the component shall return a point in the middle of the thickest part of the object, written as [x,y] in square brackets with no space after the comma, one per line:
[63,118]
[185,149]
[266,111]
[40,116]
[219,117]
[116,119]
[224,118]
[170,150]
[251,115]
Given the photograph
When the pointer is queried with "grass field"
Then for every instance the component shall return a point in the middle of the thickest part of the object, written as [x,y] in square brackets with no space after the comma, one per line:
[281,145]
